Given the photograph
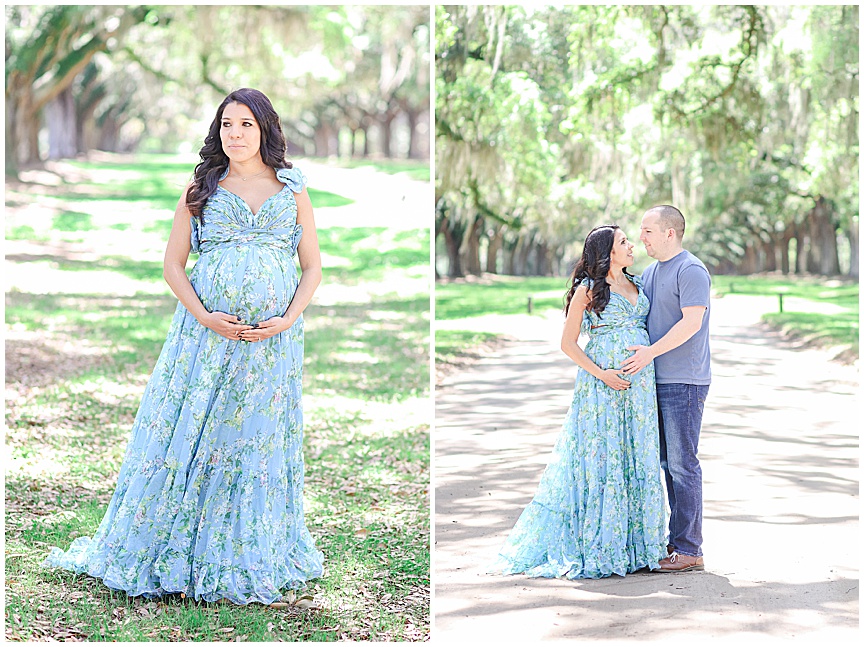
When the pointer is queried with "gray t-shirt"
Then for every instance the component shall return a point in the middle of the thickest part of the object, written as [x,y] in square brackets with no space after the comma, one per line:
[671,285]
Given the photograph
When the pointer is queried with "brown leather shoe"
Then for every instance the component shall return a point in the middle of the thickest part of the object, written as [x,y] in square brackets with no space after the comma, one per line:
[670,549]
[678,563]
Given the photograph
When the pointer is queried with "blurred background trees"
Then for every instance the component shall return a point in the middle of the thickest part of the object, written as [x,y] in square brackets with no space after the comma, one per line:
[554,120]
[347,81]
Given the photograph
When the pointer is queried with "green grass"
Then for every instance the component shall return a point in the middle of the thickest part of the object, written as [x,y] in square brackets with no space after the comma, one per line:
[453,346]
[375,252]
[76,372]
[159,181]
[843,293]
[327,199]
[502,295]
[495,295]
[804,320]
[416,169]
[148,165]
[73,221]
[507,295]
[25,232]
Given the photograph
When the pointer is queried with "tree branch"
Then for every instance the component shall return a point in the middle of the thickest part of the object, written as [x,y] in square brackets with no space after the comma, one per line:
[750,49]
[206,78]
[162,76]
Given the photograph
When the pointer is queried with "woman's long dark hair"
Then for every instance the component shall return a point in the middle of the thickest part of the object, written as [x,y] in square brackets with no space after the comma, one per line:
[594,265]
[214,161]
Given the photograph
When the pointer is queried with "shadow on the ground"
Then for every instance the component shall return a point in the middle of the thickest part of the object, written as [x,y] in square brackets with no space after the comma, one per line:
[616,611]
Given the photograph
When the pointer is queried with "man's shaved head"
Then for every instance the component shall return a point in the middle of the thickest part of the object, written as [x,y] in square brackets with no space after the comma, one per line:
[669,217]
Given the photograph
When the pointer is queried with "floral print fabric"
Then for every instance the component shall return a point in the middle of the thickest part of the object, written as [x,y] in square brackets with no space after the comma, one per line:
[599,507]
[209,500]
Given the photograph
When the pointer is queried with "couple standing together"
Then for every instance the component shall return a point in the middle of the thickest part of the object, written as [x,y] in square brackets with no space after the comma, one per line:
[637,406]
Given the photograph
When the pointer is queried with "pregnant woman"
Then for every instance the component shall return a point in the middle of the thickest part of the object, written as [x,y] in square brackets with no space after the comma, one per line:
[209,500]
[599,507]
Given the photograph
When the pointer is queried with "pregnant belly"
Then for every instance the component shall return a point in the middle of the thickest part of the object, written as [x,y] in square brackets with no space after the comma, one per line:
[251,282]
[610,350]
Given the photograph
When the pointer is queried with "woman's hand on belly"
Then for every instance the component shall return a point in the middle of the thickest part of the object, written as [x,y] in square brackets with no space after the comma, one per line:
[266,329]
[228,326]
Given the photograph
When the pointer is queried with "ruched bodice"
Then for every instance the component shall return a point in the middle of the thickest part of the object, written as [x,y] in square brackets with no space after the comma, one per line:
[246,266]
[227,218]
[621,324]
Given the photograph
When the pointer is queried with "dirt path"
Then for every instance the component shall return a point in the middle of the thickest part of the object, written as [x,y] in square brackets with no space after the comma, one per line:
[779,452]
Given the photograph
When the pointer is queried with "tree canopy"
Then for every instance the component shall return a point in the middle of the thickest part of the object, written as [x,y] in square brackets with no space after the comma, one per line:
[347,80]
[552,120]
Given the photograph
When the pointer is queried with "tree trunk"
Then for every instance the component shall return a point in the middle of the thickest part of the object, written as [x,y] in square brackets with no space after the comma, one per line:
[829,257]
[769,255]
[22,132]
[511,250]
[109,135]
[11,140]
[784,242]
[412,134]
[823,257]
[852,236]
[522,257]
[800,249]
[452,242]
[386,121]
[472,247]
[496,237]
[543,266]
[749,264]
[326,141]
[62,129]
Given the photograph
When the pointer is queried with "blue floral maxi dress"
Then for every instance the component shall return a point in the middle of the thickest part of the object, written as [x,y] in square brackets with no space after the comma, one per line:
[599,508]
[209,500]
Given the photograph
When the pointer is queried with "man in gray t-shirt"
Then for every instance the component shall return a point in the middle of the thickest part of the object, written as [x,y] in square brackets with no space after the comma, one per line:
[679,288]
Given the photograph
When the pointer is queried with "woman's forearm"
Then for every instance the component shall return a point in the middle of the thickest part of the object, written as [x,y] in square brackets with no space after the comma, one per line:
[175,276]
[575,352]
[310,279]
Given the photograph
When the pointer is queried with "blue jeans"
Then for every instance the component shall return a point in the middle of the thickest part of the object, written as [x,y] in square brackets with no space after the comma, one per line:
[680,409]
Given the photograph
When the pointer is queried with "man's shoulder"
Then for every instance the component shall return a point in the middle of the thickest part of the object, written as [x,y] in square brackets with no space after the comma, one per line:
[688,260]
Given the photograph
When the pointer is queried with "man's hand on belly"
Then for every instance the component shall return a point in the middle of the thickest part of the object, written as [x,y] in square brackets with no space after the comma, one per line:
[641,357]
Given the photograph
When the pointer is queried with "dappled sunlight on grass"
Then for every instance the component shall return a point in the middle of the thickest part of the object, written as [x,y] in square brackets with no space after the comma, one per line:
[51,277]
[399,283]
[373,253]
[399,350]
[501,295]
[416,169]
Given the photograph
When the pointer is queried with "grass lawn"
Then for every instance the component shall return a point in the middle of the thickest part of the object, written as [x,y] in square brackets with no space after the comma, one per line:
[804,316]
[85,321]
[502,295]
[451,344]
[416,169]
[822,311]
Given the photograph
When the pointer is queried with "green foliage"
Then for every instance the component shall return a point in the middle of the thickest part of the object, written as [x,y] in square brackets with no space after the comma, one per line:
[130,73]
[742,116]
